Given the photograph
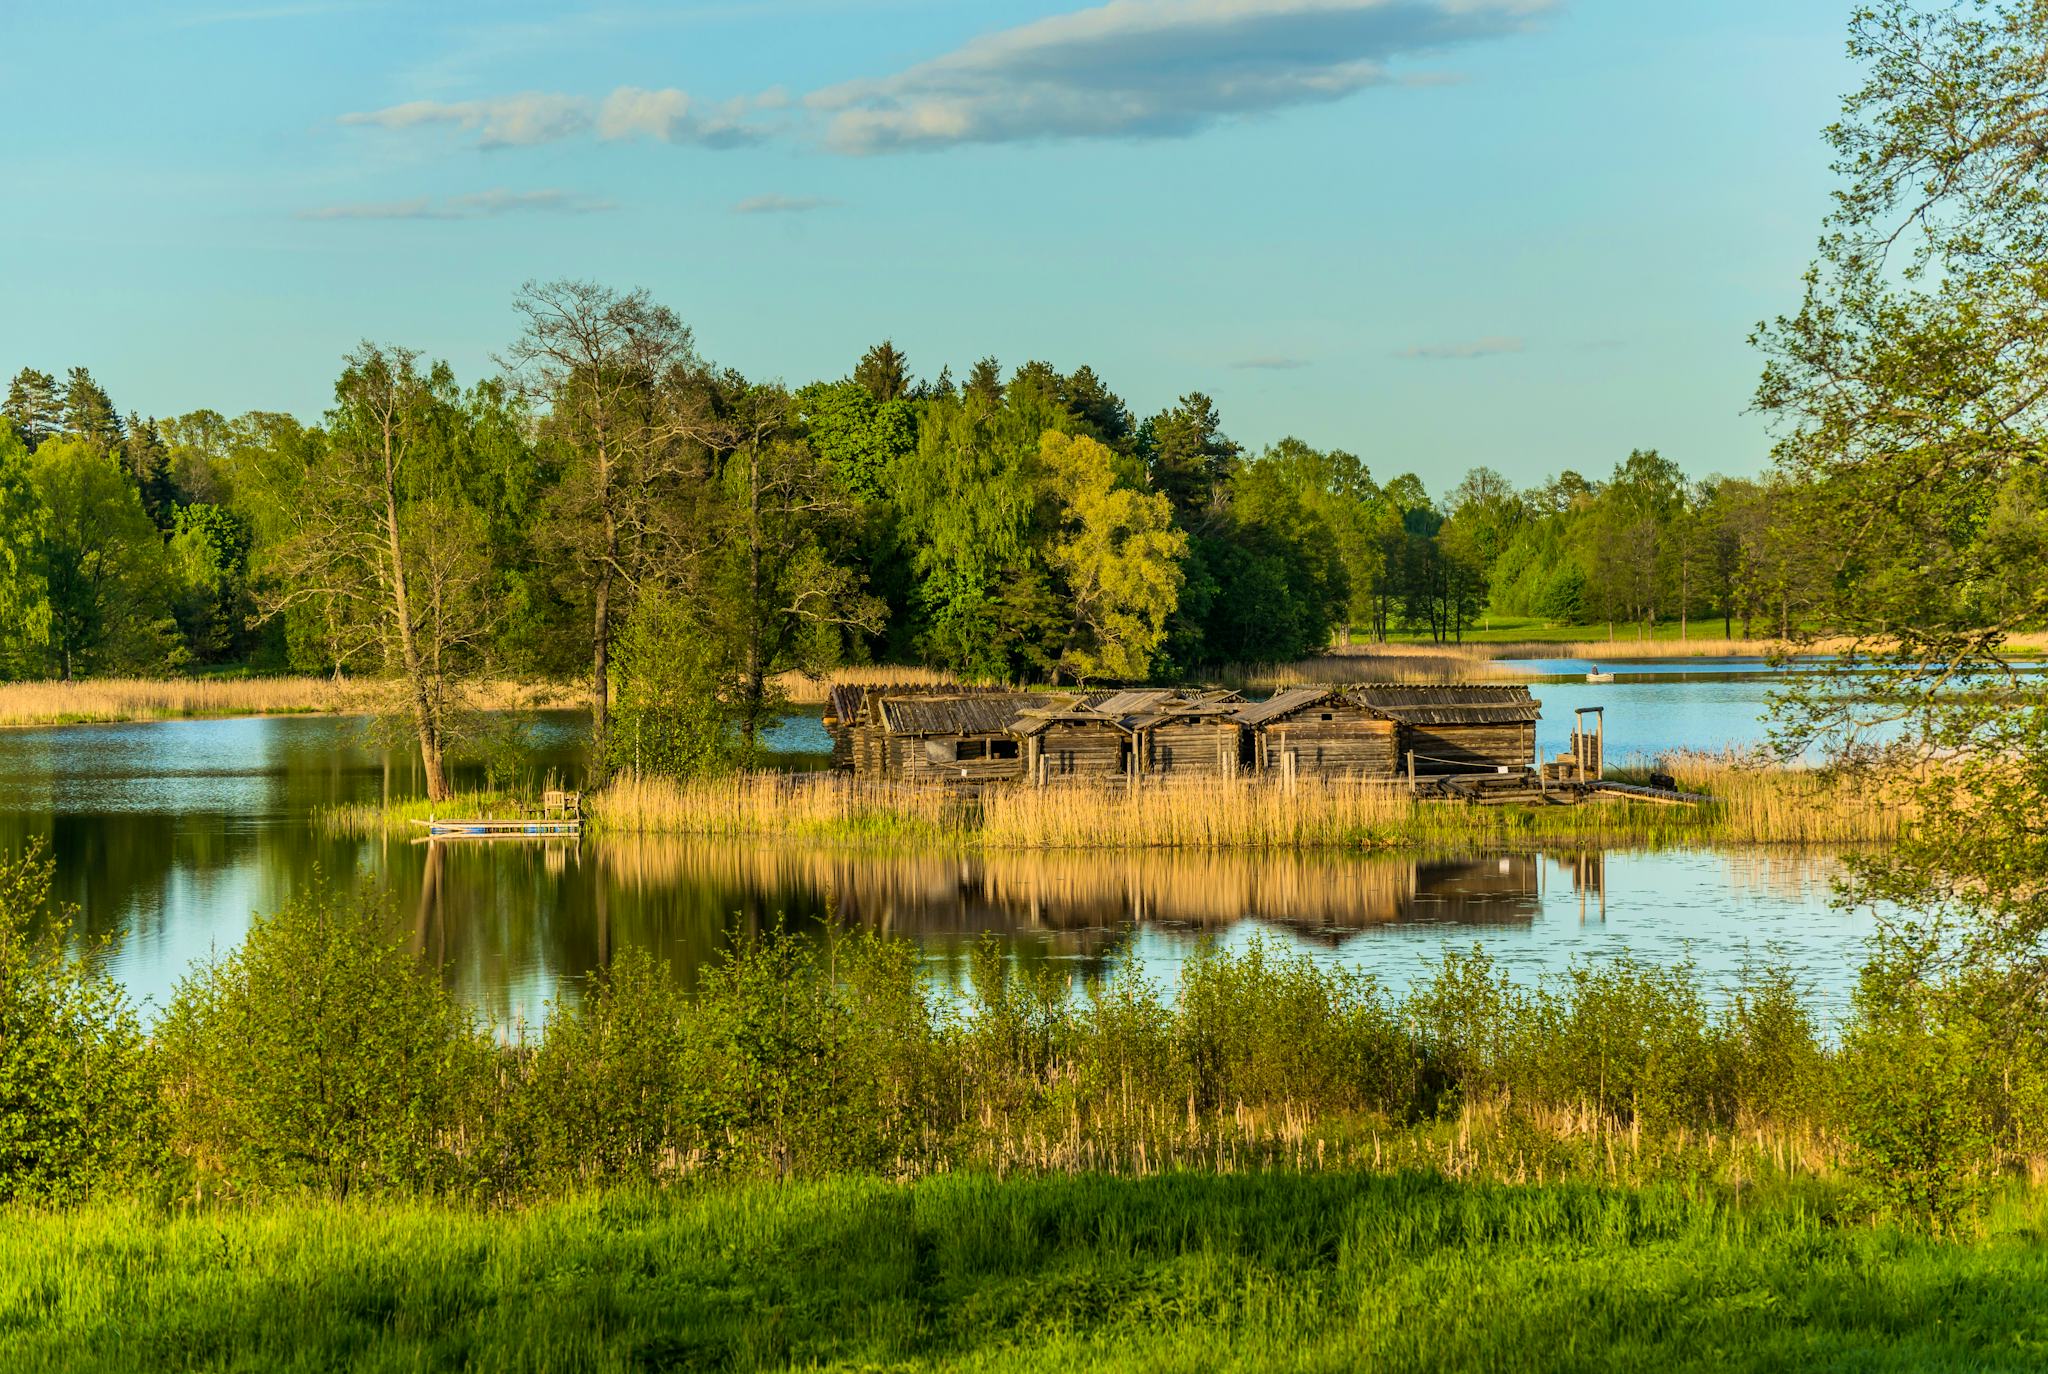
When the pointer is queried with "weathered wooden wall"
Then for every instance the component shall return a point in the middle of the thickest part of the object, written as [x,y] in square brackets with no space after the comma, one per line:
[1468,748]
[1332,741]
[1083,749]
[1195,748]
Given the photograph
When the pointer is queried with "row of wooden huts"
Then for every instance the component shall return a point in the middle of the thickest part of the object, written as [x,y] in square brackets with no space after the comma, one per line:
[1376,730]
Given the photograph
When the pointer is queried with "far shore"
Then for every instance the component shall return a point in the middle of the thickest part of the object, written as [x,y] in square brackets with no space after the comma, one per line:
[97,701]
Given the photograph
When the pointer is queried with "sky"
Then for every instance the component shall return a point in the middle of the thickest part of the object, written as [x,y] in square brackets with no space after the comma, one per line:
[1531,234]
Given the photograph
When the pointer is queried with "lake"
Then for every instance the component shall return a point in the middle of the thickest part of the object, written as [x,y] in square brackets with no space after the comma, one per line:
[173,833]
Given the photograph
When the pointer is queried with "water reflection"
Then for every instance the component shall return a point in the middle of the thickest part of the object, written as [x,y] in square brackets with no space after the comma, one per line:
[174,833]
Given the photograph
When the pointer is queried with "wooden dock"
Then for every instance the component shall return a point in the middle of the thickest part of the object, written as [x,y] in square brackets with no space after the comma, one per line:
[521,829]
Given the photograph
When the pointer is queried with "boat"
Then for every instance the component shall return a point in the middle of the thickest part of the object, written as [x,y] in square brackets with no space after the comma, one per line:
[1597,676]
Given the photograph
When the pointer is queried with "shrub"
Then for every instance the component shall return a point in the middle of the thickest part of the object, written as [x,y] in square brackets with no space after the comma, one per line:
[74,1071]
[323,1055]
[618,1087]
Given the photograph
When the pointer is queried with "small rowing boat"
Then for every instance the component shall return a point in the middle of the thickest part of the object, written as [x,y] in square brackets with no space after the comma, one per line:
[1597,676]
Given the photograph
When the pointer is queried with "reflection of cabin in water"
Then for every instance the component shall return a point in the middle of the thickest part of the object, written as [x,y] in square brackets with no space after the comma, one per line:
[1370,731]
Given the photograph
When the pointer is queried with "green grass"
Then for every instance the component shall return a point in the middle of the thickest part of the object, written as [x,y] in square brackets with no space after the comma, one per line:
[1276,1271]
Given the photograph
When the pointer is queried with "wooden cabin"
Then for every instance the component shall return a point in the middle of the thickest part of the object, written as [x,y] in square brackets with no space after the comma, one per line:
[1179,734]
[958,736]
[1455,728]
[1317,732]
[1068,737]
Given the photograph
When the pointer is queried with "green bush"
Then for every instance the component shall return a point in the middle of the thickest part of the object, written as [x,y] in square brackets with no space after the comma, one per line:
[323,1055]
[75,1087]
[618,1088]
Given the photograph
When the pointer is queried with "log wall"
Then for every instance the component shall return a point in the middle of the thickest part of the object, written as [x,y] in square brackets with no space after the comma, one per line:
[1196,748]
[1073,749]
[1468,748]
[1349,743]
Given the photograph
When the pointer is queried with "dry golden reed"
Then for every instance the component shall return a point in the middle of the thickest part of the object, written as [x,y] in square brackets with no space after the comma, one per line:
[124,699]
[1749,806]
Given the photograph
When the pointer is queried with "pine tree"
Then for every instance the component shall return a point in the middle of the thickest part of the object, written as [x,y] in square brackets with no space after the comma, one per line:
[148,460]
[33,406]
[984,385]
[884,371]
[89,412]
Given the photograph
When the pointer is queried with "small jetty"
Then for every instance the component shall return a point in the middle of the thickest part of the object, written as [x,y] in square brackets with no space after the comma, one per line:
[560,817]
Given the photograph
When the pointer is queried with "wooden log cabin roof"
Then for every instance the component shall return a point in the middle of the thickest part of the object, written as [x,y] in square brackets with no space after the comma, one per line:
[1129,711]
[1407,703]
[986,713]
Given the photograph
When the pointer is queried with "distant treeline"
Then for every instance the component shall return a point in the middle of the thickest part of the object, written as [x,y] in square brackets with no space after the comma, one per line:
[612,504]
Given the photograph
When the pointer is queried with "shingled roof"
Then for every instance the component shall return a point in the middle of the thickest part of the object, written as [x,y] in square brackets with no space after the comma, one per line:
[1452,703]
[975,714]
[1456,703]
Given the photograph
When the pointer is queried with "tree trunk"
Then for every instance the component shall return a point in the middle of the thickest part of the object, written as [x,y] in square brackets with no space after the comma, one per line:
[425,719]
[600,678]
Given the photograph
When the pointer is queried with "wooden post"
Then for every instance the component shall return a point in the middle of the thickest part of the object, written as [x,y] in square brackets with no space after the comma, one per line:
[1411,771]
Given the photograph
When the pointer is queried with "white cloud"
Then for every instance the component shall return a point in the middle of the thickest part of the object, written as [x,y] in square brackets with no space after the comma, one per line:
[506,121]
[1491,346]
[782,205]
[1153,68]
[671,116]
[475,205]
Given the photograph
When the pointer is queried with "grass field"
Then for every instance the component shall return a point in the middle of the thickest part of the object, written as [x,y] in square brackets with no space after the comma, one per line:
[1175,1272]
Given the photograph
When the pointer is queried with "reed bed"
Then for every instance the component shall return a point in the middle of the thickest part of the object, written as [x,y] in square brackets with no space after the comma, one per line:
[107,700]
[1750,806]
[805,689]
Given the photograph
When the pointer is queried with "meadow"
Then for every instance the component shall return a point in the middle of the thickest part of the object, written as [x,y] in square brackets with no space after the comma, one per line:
[1194,1272]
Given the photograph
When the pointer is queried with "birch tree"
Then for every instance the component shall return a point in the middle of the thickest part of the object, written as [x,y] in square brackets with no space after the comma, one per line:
[606,368]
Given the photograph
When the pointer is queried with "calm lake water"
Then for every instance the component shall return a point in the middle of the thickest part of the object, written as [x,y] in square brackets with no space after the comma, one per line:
[174,833]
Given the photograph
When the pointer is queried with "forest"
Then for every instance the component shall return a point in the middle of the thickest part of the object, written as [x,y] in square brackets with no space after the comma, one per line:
[615,509]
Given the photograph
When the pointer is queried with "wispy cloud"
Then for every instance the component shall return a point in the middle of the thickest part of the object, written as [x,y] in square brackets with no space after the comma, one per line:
[1153,68]
[668,116]
[1123,69]
[1491,346]
[1271,363]
[783,205]
[502,122]
[475,205]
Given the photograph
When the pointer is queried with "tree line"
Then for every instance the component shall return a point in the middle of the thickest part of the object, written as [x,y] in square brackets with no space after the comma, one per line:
[613,507]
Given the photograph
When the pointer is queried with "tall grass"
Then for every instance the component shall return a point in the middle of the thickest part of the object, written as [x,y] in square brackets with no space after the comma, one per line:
[1183,1273]
[1751,806]
[98,700]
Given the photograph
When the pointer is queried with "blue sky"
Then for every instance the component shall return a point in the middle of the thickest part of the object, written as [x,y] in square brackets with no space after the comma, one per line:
[1527,233]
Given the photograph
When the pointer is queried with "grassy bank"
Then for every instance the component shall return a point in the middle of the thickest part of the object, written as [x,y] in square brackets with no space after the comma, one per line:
[1189,1273]
[108,700]
[1751,806]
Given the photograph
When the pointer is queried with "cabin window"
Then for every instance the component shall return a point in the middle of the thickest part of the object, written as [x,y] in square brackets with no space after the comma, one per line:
[1328,716]
[1004,749]
[970,749]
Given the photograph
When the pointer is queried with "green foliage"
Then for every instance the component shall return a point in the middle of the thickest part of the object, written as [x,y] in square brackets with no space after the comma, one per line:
[101,563]
[1923,1139]
[1250,1271]
[322,1055]
[1119,557]
[668,715]
[75,1083]
[860,437]
[24,591]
